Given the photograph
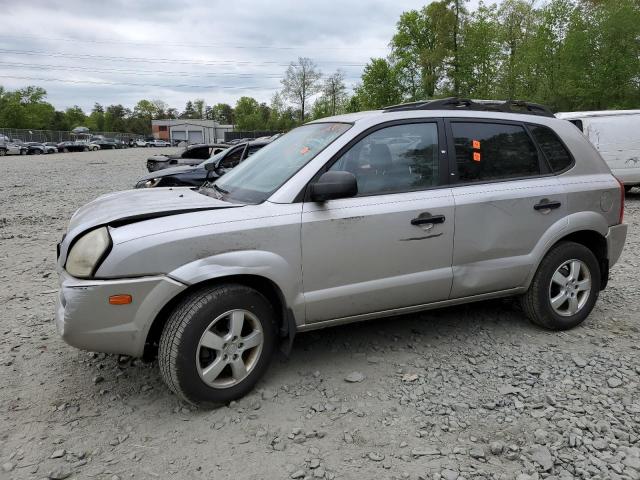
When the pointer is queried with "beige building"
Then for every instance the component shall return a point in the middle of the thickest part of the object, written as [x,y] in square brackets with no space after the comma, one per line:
[189,131]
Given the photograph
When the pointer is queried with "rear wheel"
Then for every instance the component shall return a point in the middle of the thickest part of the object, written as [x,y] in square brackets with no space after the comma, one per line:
[23,152]
[217,344]
[65,150]
[85,149]
[2,152]
[38,152]
[565,288]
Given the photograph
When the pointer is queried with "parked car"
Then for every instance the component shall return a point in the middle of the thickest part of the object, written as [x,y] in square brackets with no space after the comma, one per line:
[191,155]
[157,143]
[616,135]
[51,147]
[105,143]
[74,146]
[195,176]
[12,147]
[337,222]
[35,148]
[140,142]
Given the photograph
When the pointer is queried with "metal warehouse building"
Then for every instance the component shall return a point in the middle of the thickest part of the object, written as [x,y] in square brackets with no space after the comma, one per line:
[190,131]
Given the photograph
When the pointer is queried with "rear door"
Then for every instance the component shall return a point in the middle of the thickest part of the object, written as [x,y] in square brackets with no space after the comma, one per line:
[506,198]
[390,246]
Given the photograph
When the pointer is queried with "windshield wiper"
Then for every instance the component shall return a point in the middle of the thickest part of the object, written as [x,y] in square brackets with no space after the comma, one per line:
[219,189]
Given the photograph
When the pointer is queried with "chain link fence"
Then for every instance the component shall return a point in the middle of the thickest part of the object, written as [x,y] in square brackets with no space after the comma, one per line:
[59,135]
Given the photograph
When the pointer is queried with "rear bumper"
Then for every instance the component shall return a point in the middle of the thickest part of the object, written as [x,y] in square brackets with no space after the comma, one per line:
[86,320]
[615,242]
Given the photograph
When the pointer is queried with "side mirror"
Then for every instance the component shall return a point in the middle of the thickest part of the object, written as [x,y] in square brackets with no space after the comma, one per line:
[333,185]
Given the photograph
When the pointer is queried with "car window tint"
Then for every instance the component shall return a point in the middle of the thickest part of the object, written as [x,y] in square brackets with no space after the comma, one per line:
[491,151]
[394,159]
[253,150]
[197,152]
[552,147]
[232,159]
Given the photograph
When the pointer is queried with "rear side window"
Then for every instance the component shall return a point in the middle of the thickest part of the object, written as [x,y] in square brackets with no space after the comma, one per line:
[556,153]
[493,151]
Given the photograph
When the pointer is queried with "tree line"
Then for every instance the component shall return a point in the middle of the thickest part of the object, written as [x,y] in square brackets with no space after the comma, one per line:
[568,54]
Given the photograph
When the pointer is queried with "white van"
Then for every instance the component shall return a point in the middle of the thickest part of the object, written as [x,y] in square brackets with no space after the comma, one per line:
[616,135]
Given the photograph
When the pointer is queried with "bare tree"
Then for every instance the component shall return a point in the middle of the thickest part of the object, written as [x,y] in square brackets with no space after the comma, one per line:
[300,82]
[334,91]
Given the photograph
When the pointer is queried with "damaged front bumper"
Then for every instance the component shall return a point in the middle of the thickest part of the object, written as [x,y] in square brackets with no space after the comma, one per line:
[85,319]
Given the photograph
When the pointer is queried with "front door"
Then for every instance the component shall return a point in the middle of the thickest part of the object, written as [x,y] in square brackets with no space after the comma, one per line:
[391,245]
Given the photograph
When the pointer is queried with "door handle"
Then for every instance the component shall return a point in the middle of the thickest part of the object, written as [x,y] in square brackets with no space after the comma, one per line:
[547,205]
[428,220]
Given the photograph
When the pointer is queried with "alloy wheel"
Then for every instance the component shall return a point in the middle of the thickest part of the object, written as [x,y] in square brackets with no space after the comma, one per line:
[229,348]
[570,287]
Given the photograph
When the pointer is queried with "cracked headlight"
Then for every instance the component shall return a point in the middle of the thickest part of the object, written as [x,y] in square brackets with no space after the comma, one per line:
[148,183]
[87,252]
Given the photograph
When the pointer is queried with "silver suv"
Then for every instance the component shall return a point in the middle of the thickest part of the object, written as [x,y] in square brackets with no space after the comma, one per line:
[345,219]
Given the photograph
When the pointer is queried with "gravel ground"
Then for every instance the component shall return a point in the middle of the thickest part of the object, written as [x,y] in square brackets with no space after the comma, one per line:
[472,392]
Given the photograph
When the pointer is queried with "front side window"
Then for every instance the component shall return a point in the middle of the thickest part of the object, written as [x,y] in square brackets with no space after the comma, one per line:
[492,151]
[264,172]
[394,159]
[556,153]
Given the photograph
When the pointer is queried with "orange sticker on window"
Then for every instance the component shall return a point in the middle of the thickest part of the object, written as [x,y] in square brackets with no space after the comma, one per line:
[476,144]
[304,150]
[476,156]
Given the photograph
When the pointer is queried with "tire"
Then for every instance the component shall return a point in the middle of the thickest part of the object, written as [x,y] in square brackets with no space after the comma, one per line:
[184,362]
[85,149]
[561,260]
[23,152]
[65,150]
[37,152]
[3,152]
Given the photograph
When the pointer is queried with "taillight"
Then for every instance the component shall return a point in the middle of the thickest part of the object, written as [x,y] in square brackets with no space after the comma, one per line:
[621,216]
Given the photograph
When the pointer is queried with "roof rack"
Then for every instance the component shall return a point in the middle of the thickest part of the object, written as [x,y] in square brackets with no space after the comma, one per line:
[455,103]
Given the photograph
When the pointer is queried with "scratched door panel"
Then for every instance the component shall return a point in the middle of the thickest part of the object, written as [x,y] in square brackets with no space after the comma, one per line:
[363,254]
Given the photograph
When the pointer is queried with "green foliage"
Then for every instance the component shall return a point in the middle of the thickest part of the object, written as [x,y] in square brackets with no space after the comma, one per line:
[381,86]
[569,54]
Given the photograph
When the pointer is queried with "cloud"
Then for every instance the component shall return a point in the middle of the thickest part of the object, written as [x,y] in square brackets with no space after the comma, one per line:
[122,51]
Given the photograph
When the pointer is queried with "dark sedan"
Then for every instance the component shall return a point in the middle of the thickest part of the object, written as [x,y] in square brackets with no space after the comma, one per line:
[105,143]
[70,146]
[190,156]
[35,148]
[195,176]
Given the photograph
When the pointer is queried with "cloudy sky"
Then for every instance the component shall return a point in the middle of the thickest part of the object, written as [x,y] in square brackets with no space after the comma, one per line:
[117,51]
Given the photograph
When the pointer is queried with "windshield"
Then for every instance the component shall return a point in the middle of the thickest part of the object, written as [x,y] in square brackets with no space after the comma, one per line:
[255,179]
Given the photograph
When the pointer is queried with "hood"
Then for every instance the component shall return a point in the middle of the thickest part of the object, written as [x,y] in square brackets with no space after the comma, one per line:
[167,171]
[142,204]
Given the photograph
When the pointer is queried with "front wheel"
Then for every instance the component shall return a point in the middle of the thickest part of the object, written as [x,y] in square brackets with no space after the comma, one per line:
[565,288]
[217,344]
[23,152]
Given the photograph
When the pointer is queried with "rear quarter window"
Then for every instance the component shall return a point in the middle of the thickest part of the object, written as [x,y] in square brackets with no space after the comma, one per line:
[554,150]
